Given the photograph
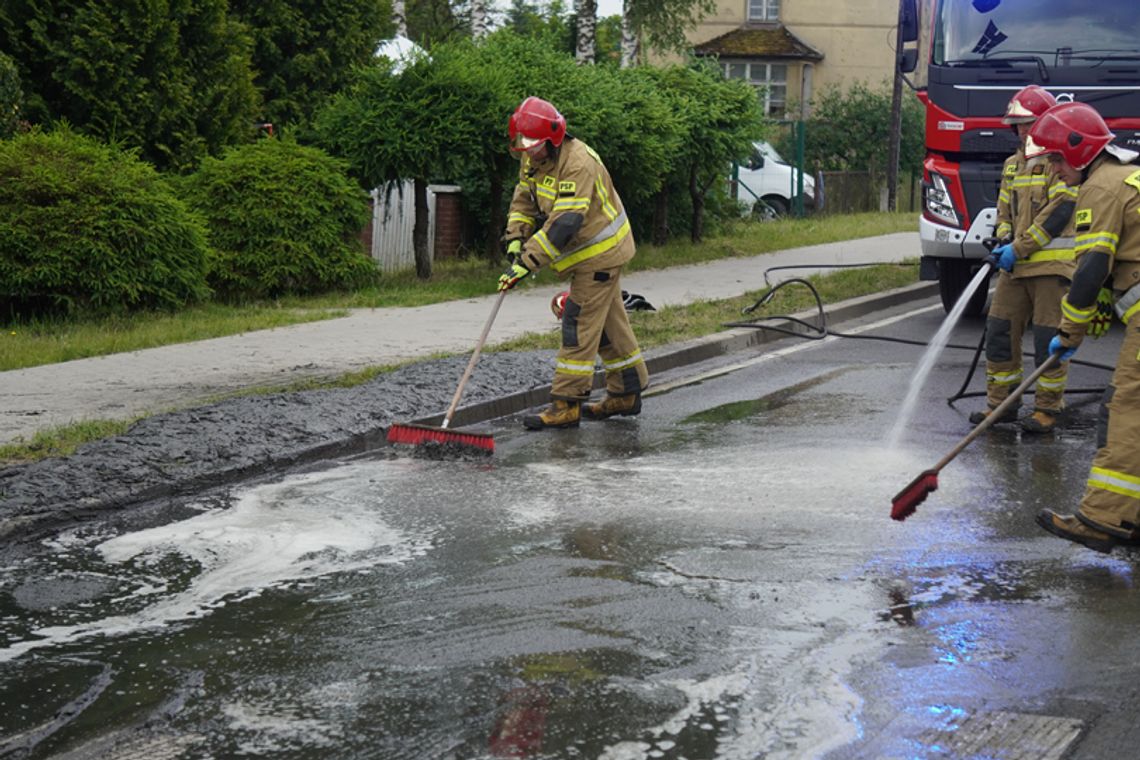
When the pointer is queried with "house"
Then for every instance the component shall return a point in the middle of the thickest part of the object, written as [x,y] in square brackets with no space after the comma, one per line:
[796,48]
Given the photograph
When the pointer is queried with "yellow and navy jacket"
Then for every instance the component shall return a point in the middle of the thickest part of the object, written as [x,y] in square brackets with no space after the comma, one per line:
[1035,209]
[1107,223]
[568,212]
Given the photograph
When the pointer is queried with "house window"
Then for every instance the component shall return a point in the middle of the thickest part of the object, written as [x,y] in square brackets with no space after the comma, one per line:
[771,79]
[763,10]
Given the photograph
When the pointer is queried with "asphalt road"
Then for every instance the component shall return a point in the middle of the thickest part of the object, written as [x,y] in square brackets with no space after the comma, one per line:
[716,578]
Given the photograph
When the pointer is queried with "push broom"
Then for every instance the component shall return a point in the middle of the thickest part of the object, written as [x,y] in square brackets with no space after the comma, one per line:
[415,434]
[907,500]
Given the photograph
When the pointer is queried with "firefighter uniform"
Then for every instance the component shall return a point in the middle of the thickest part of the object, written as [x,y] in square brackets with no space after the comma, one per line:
[1035,209]
[1107,221]
[566,209]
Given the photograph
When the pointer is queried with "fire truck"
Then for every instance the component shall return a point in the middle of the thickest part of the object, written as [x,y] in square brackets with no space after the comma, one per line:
[978,53]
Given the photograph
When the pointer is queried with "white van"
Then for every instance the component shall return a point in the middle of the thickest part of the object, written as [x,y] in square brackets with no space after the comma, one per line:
[767,177]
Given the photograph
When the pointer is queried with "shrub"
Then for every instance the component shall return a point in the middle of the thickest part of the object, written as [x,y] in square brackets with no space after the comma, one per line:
[282,219]
[10,97]
[85,226]
[170,77]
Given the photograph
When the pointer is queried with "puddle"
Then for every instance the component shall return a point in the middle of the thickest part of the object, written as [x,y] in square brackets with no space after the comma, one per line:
[742,410]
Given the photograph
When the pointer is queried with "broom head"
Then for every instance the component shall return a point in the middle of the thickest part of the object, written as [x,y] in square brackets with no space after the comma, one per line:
[419,435]
[907,500]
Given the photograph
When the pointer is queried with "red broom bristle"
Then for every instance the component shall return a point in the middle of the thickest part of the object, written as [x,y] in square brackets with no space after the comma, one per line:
[907,500]
[416,435]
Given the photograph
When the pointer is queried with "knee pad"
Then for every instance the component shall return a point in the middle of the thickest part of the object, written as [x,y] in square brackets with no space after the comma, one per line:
[570,324]
[998,347]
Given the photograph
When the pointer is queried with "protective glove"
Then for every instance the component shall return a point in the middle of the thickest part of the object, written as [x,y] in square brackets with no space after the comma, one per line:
[512,249]
[990,243]
[1066,352]
[1102,317]
[1003,257]
[511,277]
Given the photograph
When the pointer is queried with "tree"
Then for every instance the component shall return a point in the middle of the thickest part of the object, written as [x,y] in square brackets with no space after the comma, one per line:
[171,77]
[431,21]
[719,120]
[400,18]
[661,24]
[850,131]
[11,97]
[304,50]
[480,22]
[586,13]
[630,43]
[437,113]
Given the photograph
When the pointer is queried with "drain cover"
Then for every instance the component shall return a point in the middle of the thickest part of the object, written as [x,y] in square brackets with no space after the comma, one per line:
[1009,736]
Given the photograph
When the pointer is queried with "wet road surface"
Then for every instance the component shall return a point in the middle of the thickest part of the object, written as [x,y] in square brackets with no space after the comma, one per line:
[717,578]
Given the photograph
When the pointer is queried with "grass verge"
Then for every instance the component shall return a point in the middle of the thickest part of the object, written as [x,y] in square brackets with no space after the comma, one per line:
[654,328]
[51,341]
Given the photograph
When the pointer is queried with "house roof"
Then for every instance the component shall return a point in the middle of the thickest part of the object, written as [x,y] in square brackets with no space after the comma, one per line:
[773,41]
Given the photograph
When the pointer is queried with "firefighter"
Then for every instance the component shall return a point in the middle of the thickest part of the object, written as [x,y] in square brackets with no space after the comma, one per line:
[566,214]
[1034,213]
[1107,219]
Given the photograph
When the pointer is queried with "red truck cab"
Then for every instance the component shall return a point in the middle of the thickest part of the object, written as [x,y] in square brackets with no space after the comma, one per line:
[977,55]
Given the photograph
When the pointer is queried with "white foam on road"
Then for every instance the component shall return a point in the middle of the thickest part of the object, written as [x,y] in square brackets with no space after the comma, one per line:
[303,528]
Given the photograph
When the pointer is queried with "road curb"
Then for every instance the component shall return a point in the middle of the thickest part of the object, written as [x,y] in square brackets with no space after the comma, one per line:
[674,356]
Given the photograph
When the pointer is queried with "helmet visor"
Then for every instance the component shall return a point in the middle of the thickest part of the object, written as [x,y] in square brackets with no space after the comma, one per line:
[524,144]
[1033,149]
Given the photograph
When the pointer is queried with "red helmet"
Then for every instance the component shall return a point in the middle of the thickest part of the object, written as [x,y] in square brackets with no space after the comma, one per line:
[536,120]
[558,304]
[1075,130]
[1028,104]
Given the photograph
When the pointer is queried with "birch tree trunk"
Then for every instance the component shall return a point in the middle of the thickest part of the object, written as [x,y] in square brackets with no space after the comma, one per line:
[400,17]
[587,11]
[630,41]
[479,20]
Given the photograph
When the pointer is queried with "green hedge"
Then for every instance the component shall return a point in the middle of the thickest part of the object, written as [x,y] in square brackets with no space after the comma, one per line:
[84,226]
[282,219]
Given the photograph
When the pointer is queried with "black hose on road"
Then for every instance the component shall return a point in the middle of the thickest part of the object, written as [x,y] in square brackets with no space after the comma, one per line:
[821,331]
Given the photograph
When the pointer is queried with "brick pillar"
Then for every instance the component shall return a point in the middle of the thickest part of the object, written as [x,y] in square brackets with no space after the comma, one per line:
[448,221]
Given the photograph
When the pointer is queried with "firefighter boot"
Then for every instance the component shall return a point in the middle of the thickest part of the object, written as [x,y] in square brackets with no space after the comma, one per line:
[1039,422]
[976,418]
[1074,529]
[560,414]
[627,405]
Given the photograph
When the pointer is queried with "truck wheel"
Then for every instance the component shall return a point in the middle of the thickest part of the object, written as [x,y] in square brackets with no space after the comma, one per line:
[954,276]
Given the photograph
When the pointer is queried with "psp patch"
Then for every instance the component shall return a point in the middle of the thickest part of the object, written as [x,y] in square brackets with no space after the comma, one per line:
[1083,219]
[567,188]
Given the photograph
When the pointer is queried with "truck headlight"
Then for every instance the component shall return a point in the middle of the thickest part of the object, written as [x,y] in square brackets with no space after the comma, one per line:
[937,200]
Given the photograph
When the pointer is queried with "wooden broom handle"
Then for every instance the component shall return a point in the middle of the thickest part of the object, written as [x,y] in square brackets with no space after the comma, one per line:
[474,358]
[996,414]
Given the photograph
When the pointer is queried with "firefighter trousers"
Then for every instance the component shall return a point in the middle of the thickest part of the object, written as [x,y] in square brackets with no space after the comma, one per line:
[1017,302]
[1112,494]
[594,323]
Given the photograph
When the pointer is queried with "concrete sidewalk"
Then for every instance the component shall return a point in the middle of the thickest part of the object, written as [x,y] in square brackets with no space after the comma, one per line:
[124,385]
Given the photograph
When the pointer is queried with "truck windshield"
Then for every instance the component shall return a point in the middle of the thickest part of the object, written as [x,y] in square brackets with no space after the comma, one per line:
[1050,32]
